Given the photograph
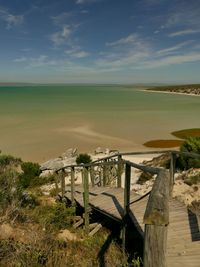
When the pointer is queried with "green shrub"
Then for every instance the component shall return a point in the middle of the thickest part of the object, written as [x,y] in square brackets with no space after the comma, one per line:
[8,189]
[31,171]
[83,158]
[28,200]
[54,217]
[8,161]
[191,144]
[39,181]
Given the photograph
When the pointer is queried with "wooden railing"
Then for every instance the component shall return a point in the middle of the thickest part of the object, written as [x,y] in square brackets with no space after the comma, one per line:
[156,216]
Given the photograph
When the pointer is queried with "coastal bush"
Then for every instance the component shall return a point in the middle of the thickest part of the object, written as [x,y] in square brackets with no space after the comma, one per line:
[8,161]
[191,144]
[83,158]
[8,189]
[31,171]
[54,217]
[39,181]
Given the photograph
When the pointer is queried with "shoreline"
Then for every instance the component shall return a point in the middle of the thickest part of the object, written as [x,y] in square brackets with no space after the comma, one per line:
[168,92]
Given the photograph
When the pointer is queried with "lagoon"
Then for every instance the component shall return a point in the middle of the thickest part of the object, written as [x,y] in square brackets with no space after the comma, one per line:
[40,122]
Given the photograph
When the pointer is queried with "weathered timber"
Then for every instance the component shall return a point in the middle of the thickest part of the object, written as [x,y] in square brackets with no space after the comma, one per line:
[156,219]
[72,186]
[86,197]
[119,171]
[95,230]
[56,182]
[157,211]
[79,223]
[126,203]
[92,175]
[63,183]
[155,242]
[105,173]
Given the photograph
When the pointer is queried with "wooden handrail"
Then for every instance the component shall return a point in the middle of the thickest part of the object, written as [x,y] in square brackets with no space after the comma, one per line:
[156,220]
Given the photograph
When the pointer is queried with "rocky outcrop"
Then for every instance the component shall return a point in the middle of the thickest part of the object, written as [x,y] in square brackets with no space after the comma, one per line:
[70,153]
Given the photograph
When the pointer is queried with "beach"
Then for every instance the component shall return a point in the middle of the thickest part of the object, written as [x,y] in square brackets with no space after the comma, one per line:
[40,122]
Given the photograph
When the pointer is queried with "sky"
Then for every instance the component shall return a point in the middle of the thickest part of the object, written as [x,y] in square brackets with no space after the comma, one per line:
[100,41]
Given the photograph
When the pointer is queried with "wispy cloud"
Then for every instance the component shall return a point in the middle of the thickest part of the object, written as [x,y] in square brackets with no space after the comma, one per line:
[129,40]
[173,49]
[10,19]
[76,52]
[60,37]
[62,18]
[21,59]
[184,32]
[135,52]
[42,60]
[170,60]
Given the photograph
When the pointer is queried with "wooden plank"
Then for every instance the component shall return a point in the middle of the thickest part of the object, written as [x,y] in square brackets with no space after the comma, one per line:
[179,242]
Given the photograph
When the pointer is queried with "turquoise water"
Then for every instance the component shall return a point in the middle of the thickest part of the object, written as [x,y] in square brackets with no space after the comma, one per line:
[42,121]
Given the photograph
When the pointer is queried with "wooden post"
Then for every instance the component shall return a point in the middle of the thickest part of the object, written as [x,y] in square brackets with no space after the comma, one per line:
[105,173]
[92,175]
[119,171]
[156,220]
[72,186]
[56,183]
[127,184]
[86,197]
[172,171]
[63,182]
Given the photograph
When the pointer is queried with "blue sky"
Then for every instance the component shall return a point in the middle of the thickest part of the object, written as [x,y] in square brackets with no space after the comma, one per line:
[100,41]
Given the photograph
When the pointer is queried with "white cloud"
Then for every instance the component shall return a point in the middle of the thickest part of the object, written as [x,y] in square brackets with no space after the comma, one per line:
[21,59]
[10,19]
[183,32]
[42,61]
[76,52]
[60,37]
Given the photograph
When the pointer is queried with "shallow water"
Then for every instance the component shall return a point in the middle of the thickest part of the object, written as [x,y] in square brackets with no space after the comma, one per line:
[39,122]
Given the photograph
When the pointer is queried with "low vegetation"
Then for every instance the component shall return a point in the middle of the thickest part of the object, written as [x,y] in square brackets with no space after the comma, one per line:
[183,162]
[191,144]
[83,159]
[186,89]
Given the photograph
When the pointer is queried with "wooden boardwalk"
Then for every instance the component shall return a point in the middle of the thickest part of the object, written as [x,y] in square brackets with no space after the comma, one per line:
[183,240]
